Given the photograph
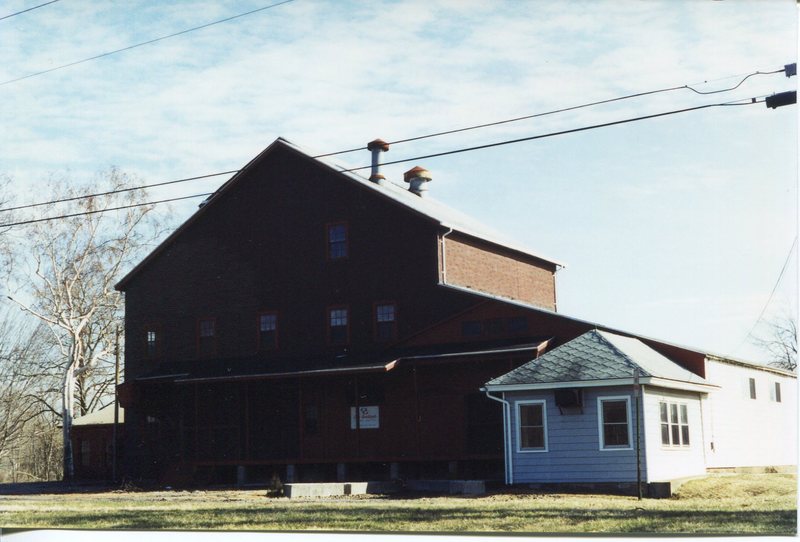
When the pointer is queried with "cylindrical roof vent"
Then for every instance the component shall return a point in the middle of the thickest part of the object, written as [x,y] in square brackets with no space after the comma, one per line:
[418,179]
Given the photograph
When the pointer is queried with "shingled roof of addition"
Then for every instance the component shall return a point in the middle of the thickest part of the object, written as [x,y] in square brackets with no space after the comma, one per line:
[596,355]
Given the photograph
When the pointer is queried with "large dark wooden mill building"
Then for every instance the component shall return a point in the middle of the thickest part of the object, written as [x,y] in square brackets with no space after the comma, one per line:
[311,323]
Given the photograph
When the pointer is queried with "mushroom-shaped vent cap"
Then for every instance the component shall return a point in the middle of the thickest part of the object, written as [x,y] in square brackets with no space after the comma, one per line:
[417,172]
[378,144]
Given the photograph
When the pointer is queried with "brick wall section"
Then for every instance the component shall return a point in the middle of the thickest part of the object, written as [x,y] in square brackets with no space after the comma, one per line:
[487,268]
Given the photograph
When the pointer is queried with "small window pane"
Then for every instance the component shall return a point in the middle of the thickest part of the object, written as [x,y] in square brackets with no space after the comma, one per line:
[663,408]
[531,427]
[685,435]
[615,423]
[615,412]
[665,434]
[337,241]
[267,331]
[206,328]
[752,382]
[337,319]
[684,414]
[777,392]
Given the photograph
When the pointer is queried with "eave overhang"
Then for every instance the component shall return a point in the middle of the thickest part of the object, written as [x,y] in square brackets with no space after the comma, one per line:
[647,381]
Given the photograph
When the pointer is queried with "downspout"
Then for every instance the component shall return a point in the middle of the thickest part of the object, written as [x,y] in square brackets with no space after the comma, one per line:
[509,470]
[444,256]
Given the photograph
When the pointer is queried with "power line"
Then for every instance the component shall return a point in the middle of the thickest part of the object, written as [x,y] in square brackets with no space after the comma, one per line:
[562,110]
[562,132]
[399,141]
[772,293]
[117,191]
[29,9]
[96,211]
[750,101]
[148,42]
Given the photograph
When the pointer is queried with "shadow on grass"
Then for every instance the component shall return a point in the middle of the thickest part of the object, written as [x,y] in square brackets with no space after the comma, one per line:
[417,519]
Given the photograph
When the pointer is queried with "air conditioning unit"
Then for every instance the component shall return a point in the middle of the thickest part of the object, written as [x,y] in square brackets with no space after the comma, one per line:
[569,399]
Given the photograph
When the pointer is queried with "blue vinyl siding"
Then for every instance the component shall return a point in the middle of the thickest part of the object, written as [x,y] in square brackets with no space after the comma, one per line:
[573,440]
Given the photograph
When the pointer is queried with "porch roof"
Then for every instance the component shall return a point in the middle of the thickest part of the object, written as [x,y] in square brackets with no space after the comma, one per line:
[263,367]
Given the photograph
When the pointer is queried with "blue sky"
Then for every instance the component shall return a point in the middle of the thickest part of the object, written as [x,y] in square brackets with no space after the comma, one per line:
[675,228]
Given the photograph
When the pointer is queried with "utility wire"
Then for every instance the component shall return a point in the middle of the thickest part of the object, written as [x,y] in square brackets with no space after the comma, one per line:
[29,9]
[474,127]
[572,108]
[118,191]
[148,42]
[772,293]
[83,213]
[562,132]
[455,151]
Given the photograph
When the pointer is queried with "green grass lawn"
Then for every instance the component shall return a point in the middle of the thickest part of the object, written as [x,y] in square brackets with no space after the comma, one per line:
[720,504]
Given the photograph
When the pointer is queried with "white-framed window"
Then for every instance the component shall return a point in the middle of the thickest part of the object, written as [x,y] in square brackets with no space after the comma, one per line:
[674,424]
[775,392]
[614,422]
[531,426]
[751,387]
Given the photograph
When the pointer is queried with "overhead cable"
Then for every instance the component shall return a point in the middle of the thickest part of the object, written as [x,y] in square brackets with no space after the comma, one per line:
[96,211]
[772,293]
[148,42]
[562,132]
[27,10]
[117,191]
[426,136]
[750,101]
[786,69]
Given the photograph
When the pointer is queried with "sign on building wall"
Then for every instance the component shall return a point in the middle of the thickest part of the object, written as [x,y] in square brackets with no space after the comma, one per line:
[368,417]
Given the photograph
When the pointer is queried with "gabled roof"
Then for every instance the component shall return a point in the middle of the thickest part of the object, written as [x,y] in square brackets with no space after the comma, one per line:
[598,358]
[428,207]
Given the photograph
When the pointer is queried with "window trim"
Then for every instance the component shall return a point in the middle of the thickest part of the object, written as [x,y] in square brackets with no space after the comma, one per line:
[277,316]
[328,227]
[775,393]
[213,350]
[671,445]
[329,327]
[375,321]
[518,424]
[752,388]
[600,422]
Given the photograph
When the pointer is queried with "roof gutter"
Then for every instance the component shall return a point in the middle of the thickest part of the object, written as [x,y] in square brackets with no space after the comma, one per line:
[650,381]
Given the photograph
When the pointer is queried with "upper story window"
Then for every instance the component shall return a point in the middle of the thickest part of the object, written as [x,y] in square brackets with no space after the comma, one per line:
[775,392]
[531,426]
[268,331]
[337,240]
[206,336]
[338,325]
[674,424]
[614,419]
[152,338]
[752,387]
[385,321]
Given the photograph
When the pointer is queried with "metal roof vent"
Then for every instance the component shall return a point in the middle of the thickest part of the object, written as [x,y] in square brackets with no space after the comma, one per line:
[418,179]
[377,147]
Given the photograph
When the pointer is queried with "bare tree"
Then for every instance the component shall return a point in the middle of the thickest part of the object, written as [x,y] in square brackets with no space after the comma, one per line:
[779,340]
[19,389]
[75,264]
